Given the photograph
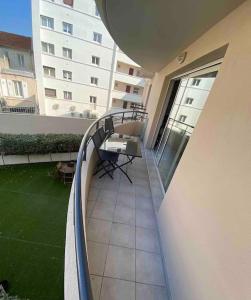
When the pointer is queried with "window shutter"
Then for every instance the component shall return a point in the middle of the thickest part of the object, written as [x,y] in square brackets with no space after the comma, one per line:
[68,2]
[25,89]
[10,87]
[4,87]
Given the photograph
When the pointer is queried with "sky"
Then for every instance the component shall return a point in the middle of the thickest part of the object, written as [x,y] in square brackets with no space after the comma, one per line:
[15,16]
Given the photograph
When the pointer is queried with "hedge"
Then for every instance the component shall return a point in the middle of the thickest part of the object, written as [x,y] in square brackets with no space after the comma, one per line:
[18,144]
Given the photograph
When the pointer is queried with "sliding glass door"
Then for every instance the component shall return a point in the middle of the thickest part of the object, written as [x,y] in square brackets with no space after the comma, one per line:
[188,104]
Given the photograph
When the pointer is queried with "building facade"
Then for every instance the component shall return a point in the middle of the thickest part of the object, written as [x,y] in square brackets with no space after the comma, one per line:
[80,70]
[17,78]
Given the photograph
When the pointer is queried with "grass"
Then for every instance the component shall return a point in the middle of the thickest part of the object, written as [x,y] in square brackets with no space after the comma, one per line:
[33,208]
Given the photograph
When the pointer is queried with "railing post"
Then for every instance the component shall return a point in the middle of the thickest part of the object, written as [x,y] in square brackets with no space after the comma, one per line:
[123,115]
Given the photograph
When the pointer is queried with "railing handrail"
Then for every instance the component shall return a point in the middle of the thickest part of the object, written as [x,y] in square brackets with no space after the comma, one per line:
[84,284]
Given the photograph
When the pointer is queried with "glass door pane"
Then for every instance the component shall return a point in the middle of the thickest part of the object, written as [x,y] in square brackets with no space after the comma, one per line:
[190,100]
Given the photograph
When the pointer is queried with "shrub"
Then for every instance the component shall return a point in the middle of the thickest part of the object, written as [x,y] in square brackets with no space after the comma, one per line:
[18,144]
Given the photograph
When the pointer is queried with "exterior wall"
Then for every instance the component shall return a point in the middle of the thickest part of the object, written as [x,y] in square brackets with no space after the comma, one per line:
[33,124]
[85,22]
[10,70]
[205,214]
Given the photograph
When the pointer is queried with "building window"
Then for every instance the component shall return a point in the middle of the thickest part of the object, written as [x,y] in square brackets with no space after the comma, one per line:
[68,2]
[96,11]
[67,28]
[51,93]
[182,118]
[189,100]
[135,90]
[93,99]
[48,71]
[47,22]
[20,59]
[48,48]
[196,82]
[67,75]
[67,53]
[95,60]
[18,88]
[94,80]
[97,37]
[67,95]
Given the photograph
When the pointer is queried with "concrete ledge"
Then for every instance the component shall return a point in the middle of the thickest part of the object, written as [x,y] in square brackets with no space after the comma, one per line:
[15,159]
[36,158]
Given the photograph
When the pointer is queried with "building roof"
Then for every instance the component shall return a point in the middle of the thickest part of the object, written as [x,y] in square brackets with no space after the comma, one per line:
[15,41]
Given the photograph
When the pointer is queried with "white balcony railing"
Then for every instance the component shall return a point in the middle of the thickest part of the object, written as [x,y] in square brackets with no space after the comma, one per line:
[129,79]
[126,96]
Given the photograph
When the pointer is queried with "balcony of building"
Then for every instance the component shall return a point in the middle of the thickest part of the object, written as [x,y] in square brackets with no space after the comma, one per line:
[127,92]
[123,250]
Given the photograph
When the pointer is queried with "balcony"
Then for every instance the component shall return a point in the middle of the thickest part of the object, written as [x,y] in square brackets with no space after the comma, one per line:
[112,240]
[129,79]
[126,96]
[24,73]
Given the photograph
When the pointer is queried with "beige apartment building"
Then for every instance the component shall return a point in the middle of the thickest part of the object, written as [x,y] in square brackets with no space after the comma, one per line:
[17,78]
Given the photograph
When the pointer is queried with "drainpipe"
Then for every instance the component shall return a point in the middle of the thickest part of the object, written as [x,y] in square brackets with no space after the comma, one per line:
[111,80]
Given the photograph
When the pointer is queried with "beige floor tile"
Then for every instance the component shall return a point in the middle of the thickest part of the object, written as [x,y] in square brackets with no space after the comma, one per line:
[103,211]
[120,263]
[96,282]
[99,230]
[145,219]
[126,200]
[149,268]
[147,240]
[116,289]
[97,256]
[124,215]
[150,292]
[123,235]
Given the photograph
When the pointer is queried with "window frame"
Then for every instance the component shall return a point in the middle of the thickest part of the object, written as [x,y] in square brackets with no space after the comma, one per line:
[49,69]
[50,90]
[67,93]
[66,26]
[49,47]
[69,75]
[95,79]
[95,60]
[47,19]
[18,88]
[67,50]
[97,37]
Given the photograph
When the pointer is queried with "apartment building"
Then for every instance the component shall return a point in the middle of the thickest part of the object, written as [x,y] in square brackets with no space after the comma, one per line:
[81,71]
[17,78]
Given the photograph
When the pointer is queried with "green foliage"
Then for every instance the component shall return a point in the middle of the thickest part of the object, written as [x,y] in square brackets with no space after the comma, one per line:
[20,144]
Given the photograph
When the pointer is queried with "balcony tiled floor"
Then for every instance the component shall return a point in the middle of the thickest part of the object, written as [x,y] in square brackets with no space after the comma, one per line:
[123,244]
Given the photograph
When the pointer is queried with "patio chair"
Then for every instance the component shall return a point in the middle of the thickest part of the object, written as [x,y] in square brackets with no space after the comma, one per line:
[107,161]
[109,127]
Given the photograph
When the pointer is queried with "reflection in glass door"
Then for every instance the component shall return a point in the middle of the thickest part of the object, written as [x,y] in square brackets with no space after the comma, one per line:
[190,99]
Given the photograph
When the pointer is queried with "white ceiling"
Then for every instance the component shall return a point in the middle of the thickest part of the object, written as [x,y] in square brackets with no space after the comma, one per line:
[152,32]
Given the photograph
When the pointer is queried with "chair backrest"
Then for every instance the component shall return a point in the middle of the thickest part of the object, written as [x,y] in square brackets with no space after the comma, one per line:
[97,141]
[109,128]
[102,133]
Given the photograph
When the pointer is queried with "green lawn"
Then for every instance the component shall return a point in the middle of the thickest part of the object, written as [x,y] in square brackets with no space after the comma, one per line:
[33,208]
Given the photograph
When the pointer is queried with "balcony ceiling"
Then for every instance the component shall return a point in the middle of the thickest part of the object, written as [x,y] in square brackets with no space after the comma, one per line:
[154,32]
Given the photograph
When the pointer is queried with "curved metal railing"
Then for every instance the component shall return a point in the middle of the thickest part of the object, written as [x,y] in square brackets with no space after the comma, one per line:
[84,284]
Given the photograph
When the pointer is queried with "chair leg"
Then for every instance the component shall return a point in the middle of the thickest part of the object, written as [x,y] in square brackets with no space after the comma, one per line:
[107,172]
[118,167]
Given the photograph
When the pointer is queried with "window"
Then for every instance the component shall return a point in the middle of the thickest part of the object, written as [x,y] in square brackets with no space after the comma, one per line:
[182,118]
[67,27]
[95,60]
[97,37]
[135,90]
[68,2]
[67,95]
[20,59]
[47,22]
[48,48]
[49,71]
[196,82]
[67,53]
[96,11]
[52,93]
[93,99]
[18,88]
[67,75]
[94,80]
[189,100]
